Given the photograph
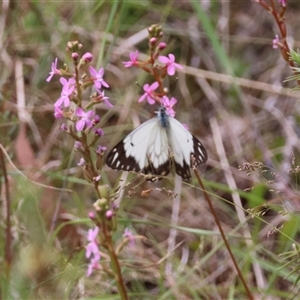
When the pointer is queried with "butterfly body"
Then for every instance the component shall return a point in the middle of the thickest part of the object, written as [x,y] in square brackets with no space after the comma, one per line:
[153,146]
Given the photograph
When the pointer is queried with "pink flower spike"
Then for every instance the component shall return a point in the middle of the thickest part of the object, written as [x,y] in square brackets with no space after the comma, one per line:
[171,65]
[92,234]
[54,70]
[133,59]
[168,104]
[92,247]
[276,42]
[85,118]
[94,264]
[149,89]
[98,77]
[67,90]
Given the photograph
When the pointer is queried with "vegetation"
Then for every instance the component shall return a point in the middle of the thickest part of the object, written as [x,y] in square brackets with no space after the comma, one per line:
[238,93]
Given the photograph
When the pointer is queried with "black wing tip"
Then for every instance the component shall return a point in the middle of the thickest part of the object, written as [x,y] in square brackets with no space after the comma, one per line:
[199,157]
[117,160]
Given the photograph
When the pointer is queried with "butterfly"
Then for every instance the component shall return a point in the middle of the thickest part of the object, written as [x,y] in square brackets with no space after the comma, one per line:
[152,147]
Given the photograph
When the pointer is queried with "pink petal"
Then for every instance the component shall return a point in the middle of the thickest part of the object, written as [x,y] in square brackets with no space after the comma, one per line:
[150,100]
[154,86]
[79,112]
[171,57]
[58,102]
[142,98]
[80,125]
[163,59]
[146,87]
[90,114]
[172,102]
[93,72]
[178,66]
[66,102]
[63,81]
[101,72]
[104,83]
[171,70]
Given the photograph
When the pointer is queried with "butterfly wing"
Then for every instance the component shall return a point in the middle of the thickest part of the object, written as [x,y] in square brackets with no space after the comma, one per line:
[145,149]
[187,149]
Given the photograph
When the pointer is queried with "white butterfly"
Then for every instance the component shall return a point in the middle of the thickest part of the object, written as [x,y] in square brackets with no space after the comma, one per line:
[153,146]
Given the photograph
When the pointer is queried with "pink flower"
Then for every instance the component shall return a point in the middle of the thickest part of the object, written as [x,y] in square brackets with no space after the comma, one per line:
[103,98]
[92,247]
[275,42]
[97,178]
[85,118]
[149,89]
[171,65]
[98,131]
[101,149]
[98,77]
[92,251]
[128,234]
[96,120]
[78,145]
[133,59]
[53,71]
[168,104]
[58,113]
[81,162]
[94,264]
[63,127]
[67,90]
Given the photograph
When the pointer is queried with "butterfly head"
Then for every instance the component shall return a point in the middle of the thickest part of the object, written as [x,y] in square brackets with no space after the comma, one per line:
[163,117]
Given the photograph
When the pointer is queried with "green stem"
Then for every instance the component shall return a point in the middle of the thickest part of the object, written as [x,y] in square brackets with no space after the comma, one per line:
[115,265]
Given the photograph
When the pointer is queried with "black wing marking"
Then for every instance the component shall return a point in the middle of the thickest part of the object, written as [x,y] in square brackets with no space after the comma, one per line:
[183,171]
[199,156]
[162,170]
[117,160]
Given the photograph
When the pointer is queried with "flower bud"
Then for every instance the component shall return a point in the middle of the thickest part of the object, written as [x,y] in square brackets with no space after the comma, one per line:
[74,56]
[153,41]
[87,57]
[109,214]
[91,215]
[162,46]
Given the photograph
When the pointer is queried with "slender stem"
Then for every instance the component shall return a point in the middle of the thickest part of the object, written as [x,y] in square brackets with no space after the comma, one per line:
[223,235]
[279,18]
[114,262]
[8,236]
